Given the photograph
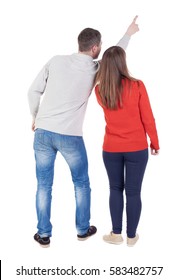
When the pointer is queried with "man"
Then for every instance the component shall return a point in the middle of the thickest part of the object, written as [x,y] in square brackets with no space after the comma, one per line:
[67,81]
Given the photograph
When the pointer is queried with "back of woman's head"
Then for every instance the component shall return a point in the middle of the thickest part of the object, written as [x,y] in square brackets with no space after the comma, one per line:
[113,69]
[114,58]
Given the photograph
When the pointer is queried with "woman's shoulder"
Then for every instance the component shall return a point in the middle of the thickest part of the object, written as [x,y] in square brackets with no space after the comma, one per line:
[137,83]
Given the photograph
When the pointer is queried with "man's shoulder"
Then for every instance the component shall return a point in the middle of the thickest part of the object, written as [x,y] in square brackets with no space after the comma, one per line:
[59,57]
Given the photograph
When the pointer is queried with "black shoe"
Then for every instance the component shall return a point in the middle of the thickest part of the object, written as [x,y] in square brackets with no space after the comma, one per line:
[43,241]
[91,231]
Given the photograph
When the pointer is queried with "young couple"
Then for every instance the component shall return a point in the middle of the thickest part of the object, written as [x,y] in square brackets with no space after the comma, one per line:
[66,82]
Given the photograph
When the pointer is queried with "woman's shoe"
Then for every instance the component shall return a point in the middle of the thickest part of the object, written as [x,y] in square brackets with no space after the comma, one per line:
[132,241]
[113,238]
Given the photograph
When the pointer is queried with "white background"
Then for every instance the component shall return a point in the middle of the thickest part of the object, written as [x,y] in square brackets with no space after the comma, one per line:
[31,33]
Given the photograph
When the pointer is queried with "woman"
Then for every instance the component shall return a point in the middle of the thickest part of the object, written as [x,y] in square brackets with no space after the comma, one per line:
[129,119]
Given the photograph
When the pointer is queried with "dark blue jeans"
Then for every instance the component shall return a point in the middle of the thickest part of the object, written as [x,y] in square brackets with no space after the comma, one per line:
[125,172]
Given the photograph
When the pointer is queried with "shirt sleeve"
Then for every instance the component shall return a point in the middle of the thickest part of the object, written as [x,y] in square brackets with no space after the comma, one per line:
[123,42]
[37,89]
[147,117]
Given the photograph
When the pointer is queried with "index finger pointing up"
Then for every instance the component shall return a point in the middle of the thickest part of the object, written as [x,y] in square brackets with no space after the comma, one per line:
[135,18]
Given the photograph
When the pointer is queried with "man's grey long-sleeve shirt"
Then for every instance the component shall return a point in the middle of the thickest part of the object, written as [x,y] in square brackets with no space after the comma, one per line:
[65,84]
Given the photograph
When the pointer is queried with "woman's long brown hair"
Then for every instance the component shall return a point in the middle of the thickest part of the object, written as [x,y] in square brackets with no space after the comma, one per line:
[113,68]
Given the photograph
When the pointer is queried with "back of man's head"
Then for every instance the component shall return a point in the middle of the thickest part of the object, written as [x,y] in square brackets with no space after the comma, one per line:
[88,38]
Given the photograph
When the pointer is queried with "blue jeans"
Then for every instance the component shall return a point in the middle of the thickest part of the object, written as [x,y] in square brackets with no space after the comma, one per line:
[72,148]
[125,172]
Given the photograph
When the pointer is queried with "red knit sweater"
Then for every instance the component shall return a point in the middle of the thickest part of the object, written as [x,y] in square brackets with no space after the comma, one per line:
[127,127]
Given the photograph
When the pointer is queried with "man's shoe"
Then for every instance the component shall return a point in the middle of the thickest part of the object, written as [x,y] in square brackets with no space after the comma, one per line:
[43,241]
[132,241]
[91,231]
[113,238]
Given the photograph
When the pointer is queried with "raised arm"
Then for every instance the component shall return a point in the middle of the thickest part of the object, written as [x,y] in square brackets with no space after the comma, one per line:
[131,30]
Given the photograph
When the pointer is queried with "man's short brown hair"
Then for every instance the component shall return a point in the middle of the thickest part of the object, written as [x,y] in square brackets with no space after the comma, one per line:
[87,38]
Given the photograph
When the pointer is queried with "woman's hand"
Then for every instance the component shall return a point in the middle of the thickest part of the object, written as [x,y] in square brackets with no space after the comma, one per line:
[154,152]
